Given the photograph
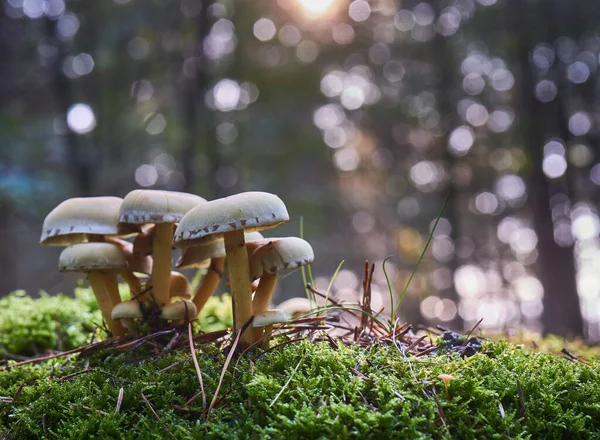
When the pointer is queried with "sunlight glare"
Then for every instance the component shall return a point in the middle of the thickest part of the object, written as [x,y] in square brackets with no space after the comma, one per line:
[315,7]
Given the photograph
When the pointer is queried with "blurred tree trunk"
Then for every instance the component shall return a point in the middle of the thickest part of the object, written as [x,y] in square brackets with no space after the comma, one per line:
[444,55]
[77,164]
[556,264]
[8,54]
[198,117]
[9,252]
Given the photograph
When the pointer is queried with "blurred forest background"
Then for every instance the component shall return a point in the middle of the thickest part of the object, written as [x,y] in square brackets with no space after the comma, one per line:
[363,116]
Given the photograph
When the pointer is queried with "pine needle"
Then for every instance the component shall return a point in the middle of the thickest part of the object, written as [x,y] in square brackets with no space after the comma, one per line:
[119,400]
[332,280]
[197,367]
[391,291]
[227,362]
[304,269]
[149,405]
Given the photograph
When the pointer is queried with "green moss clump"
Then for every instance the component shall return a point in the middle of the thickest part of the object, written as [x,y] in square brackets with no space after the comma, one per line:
[215,315]
[300,390]
[31,326]
[307,390]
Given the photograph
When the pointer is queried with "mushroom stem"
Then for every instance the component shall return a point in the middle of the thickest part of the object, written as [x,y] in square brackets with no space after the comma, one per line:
[209,283]
[161,268]
[238,269]
[134,283]
[267,336]
[142,244]
[99,288]
[112,288]
[262,298]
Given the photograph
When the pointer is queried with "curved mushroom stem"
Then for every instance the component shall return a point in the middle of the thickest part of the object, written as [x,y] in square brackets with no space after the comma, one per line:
[134,283]
[209,283]
[142,243]
[135,263]
[99,288]
[262,298]
[238,269]
[267,336]
[161,268]
[112,288]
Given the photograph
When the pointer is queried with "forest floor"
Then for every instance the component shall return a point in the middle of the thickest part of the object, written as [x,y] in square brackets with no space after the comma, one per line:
[307,385]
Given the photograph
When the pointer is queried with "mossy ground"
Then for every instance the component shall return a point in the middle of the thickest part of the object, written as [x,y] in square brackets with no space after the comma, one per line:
[304,390]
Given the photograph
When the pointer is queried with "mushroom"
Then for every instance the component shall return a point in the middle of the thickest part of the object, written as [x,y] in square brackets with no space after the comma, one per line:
[446,378]
[80,220]
[90,219]
[178,310]
[229,218]
[297,306]
[275,255]
[211,255]
[266,320]
[163,209]
[101,262]
[127,310]
[174,311]
[179,288]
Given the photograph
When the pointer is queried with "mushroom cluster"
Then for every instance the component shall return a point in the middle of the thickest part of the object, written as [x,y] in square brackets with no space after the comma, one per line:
[109,236]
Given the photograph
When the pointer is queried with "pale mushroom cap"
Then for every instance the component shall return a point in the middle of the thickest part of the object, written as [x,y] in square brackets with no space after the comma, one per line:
[142,206]
[270,317]
[446,377]
[199,256]
[77,220]
[250,211]
[279,254]
[178,309]
[297,306]
[86,257]
[127,309]
[179,285]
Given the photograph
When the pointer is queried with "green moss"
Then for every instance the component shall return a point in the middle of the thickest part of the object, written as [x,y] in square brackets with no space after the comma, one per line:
[29,326]
[216,314]
[555,344]
[305,390]
[308,390]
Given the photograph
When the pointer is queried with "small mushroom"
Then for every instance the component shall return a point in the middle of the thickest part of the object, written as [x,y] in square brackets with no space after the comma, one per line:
[229,218]
[178,310]
[211,255]
[275,255]
[297,306]
[127,310]
[101,262]
[179,286]
[446,378]
[163,209]
[266,320]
